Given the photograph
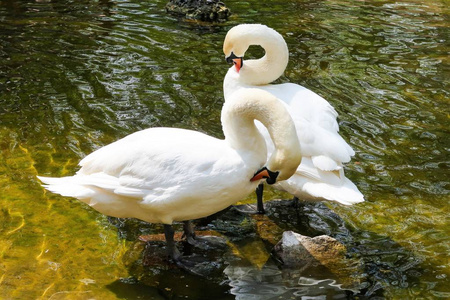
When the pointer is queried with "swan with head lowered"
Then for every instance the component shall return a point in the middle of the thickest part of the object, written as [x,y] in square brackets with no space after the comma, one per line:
[320,175]
[164,175]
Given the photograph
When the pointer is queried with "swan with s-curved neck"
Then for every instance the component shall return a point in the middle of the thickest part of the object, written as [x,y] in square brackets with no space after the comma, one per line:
[163,175]
[320,176]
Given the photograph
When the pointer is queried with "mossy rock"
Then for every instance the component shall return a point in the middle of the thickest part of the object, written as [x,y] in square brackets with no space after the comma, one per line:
[201,10]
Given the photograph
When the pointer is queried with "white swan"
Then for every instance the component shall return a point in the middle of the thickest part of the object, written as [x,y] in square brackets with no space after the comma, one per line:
[320,176]
[162,175]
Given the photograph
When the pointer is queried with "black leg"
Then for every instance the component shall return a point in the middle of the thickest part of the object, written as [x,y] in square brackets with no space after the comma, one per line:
[259,199]
[189,232]
[295,202]
[172,250]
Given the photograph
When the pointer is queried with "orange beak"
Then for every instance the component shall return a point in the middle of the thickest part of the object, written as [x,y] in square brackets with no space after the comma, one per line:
[238,63]
[260,175]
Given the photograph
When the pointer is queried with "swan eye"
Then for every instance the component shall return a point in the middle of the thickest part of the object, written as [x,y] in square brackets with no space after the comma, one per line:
[237,61]
[232,58]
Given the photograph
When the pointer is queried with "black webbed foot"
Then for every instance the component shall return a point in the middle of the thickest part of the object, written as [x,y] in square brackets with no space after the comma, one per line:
[194,264]
[203,242]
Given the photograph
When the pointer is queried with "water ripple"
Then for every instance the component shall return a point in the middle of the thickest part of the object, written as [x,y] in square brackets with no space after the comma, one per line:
[76,75]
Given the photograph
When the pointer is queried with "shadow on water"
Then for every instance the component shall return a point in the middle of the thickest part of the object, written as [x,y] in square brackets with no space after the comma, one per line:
[248,268]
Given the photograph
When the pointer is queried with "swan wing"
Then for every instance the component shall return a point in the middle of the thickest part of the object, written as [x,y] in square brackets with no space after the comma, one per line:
[150,170]
[156,157]
[306,104]
[317,128]
[311,183]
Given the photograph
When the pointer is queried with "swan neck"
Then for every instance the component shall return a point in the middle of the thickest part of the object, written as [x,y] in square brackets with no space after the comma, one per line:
[272,65]
[238,116]
[240,130]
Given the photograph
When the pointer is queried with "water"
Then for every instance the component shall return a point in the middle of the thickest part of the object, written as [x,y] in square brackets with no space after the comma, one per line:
[77,75]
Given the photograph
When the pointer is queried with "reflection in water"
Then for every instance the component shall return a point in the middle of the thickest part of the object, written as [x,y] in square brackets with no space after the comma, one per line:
[268,283]
[76,75]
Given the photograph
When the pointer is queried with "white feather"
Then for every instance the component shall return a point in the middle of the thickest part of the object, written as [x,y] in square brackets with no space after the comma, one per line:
[161,175]
[323,150]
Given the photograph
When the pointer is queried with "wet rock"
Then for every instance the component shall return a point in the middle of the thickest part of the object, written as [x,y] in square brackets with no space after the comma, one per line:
[296,250]
[302,254]
[204,258]
[200,269]
[308,218]
[242,255]
[202,10]
[148,267]
[234,224]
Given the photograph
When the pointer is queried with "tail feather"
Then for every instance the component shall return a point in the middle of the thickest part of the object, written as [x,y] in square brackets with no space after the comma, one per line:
[311,183]
[346,194]
[66,186]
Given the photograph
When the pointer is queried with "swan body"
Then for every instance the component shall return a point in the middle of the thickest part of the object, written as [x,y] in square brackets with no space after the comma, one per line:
[320,176]
[162,175]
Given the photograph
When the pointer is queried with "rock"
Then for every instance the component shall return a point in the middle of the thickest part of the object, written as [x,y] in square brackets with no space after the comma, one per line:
[202,10]
[296,250]
[302,254]
[154,277]
[234,224]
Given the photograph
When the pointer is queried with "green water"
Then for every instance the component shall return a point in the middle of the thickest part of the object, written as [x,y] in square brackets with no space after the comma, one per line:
[77,75]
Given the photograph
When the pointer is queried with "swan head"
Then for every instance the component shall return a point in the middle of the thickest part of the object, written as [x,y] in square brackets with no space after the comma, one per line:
[238,62]
[257,71]
[236,41]
[264,173]
[282,170]
[285,162]
[281,165]
[235,46]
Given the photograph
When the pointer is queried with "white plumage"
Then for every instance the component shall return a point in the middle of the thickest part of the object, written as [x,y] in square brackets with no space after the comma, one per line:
[320,175]
[162,175]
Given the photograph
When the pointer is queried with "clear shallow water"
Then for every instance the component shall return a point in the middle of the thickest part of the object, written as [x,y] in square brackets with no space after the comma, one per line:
[76,75]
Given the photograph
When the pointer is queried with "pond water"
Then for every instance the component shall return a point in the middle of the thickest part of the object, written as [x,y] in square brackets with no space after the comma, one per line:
[77,75]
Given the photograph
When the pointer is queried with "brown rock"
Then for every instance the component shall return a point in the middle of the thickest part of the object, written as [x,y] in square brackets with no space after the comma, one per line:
[296,250]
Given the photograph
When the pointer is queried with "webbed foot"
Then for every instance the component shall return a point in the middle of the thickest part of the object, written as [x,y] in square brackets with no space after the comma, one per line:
[203,242]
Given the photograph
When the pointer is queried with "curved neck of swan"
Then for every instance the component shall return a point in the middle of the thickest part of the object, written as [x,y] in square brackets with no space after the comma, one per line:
[272,65]
[238,116]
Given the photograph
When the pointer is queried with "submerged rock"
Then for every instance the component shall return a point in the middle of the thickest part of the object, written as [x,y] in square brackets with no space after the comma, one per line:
[242,259]
[296,250]
[299,254]
[202,10]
